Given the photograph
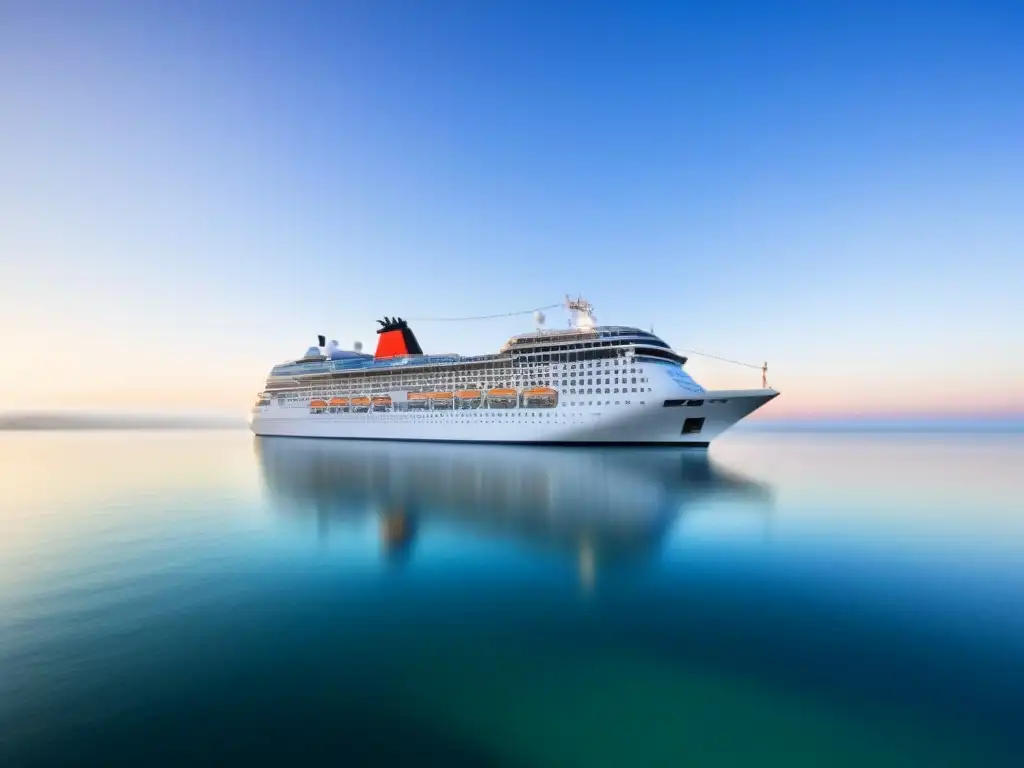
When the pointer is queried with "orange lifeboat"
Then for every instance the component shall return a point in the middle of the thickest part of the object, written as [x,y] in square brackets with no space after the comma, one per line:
[442,400]
[360,402]
[468,394]
[540,392]
[317,403]
[540,397]
[419,395]
[382,400]
[337,402]
[502,398]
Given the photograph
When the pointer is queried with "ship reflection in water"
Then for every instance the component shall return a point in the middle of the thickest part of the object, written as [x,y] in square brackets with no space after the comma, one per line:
[598,505]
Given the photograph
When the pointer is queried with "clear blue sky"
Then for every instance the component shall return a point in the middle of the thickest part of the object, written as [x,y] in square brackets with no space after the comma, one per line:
[837,188]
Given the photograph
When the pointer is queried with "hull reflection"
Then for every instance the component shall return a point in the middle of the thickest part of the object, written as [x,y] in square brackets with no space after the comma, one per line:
[609,502]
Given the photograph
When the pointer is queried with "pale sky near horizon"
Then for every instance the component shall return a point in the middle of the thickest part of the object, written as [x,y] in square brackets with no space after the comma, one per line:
[190,192]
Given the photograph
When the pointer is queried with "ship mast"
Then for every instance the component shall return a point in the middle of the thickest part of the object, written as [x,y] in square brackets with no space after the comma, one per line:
[581,313]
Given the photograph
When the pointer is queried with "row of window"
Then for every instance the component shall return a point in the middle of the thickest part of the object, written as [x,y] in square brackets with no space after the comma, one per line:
[378,384]
[599,349]
[464,371]
[481,412]
[580,404]
[653,352]
[607,390]
[296,398]
[572,382]
[690,403]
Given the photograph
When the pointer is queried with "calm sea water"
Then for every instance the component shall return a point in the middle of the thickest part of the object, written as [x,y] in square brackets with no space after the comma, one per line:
[183,598]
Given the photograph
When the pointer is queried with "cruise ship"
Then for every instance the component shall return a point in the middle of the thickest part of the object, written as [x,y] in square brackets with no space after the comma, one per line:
[588,384]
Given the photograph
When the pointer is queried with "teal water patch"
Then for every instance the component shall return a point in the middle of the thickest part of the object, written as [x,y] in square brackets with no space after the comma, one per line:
[543,708]
[210,598]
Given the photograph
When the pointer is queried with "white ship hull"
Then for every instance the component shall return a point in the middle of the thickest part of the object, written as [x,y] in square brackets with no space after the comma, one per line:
[650,424]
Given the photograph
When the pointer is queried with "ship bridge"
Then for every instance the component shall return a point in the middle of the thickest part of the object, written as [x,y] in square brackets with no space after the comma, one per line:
[545,343]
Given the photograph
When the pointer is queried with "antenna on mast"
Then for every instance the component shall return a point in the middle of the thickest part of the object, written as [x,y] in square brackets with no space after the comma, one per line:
[581,313]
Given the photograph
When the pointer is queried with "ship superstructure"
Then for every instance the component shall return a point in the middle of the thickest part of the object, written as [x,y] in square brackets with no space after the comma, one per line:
[585,384]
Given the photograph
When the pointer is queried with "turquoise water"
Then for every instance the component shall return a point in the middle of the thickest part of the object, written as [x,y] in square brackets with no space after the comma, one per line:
[810,599]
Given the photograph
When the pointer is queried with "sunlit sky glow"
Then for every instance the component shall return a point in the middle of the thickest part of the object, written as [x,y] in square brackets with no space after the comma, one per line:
[192,191]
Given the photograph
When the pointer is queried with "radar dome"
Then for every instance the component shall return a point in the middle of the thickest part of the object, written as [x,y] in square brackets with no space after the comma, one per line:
[358,346]
[538,317]
[313,352]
